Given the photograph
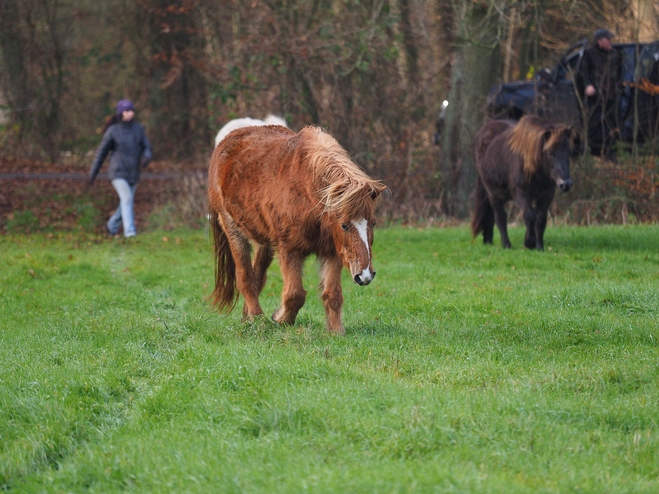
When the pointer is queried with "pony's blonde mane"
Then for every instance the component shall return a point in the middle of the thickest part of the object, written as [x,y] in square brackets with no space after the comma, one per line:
[527,139]
[343,188]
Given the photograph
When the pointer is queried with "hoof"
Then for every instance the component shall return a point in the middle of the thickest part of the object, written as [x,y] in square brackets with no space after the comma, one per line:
[251,318]
[280,317]
[340,331]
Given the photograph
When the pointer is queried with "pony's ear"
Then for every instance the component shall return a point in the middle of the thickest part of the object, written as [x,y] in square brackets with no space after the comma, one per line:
[574,134]
[577,142]
[546,136]
[377,190]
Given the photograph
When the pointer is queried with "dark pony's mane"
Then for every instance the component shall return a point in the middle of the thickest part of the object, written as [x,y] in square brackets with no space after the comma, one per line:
[343,188]
[528,139]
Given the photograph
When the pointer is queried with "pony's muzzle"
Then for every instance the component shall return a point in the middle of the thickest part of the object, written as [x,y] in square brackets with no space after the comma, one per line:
[565,185]
[364,278]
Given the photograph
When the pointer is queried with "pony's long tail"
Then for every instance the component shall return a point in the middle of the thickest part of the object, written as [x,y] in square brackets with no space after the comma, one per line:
[225,295]
[483,211]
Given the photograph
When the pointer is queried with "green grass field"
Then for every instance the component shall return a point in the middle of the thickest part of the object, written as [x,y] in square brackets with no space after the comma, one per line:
[465,368]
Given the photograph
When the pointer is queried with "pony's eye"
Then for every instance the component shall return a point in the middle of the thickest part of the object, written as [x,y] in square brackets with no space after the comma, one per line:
[345,227]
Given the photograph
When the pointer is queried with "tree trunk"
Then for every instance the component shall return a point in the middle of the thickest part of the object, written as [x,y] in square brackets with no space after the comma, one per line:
[14,71]
[475,69]
[52,69]
[178,91]
[411,53]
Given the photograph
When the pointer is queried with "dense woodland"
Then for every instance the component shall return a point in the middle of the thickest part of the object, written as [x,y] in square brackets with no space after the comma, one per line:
[371,72]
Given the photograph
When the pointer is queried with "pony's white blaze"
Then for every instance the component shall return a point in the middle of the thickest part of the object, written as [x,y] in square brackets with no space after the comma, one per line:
[362,229]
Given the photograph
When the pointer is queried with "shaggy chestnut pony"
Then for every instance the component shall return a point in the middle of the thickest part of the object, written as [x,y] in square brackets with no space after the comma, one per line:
[298,194]
[524,162]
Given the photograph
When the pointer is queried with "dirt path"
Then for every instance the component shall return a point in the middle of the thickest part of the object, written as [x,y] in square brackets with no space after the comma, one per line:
[85,176]
[37,196]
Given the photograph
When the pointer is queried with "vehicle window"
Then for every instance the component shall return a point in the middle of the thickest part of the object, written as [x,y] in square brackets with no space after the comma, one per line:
[568,68]
[628,63]
[649,63]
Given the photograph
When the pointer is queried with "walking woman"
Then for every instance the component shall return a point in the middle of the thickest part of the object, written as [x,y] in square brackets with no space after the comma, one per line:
[131,150]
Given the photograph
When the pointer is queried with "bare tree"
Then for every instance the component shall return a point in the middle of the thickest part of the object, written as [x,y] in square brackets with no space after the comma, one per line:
[476,66]
[14,64]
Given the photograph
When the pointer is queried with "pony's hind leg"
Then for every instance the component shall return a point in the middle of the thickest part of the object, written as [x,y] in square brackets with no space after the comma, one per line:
[501,220]
[488,226]
[246,279]
[294,295]
[483,219]
[330,282]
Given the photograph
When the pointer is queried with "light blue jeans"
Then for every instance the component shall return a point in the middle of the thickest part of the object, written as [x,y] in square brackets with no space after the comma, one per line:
[124,213]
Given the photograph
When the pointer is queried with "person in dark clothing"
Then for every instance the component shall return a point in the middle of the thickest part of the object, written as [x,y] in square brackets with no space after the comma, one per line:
[601,73]
[131,151]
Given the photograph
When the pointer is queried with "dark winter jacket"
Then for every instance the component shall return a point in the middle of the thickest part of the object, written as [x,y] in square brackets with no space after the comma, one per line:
[128,142]
[601,68]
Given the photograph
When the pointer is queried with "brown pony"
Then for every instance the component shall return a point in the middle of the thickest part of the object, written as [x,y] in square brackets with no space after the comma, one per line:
[298,194]
[523,161]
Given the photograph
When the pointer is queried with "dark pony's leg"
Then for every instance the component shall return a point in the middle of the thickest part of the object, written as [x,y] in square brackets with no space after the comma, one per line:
[246,280]
[483,219]
[330,282]
[526,203]
[501,220]
[541,220]
[488,227]
[294,295]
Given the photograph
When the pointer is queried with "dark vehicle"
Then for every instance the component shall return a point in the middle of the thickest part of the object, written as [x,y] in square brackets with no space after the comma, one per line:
[557,94]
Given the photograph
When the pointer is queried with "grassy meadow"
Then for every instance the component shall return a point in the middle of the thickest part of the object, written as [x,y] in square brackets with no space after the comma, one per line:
[465,368]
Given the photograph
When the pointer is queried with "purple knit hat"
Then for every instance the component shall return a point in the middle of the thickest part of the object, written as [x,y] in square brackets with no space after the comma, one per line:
[124,105]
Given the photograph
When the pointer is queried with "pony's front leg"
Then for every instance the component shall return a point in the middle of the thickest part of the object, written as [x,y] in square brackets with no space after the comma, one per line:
[525,202]
[263,256]
[330,282]
[541,221]
[530,218]
[501,220]
[294,295]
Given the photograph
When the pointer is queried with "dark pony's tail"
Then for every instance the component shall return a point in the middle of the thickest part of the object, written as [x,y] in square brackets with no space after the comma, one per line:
[483,210]
[225,295]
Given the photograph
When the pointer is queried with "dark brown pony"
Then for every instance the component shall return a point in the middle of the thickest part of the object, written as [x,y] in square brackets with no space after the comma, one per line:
[523,161]
[273,190]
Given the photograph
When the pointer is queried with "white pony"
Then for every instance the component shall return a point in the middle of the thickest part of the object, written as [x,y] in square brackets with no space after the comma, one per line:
[247,122]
